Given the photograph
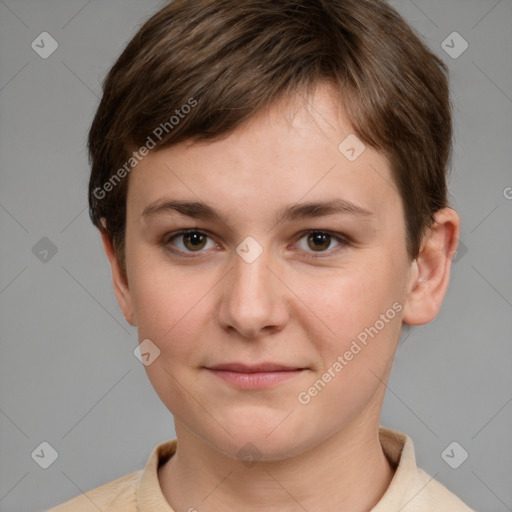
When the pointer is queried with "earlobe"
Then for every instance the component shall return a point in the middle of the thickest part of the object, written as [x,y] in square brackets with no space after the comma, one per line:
[431,269]
[121,287]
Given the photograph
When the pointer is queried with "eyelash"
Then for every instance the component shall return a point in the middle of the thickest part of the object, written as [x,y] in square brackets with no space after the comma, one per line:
[342,240]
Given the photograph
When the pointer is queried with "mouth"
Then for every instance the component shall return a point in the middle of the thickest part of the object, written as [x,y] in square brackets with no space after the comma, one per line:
[254,376]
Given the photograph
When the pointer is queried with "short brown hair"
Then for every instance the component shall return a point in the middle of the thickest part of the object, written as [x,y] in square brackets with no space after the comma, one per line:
[235,57]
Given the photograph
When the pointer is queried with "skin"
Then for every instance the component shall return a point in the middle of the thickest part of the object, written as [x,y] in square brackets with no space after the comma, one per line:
[296,304]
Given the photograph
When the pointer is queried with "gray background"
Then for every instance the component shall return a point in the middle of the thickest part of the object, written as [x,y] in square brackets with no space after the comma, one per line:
[68,375]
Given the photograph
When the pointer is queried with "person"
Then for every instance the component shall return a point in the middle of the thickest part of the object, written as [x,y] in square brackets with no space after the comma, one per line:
[269,182]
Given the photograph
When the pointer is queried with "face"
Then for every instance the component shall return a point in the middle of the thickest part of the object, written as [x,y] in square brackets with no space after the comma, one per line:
[264,277]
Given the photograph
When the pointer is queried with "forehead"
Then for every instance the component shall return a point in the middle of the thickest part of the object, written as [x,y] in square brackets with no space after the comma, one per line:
[300,149]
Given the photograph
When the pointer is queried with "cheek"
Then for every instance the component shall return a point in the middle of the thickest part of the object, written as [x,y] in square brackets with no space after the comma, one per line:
[356,335]
[345,304]
[171,308]
[171,311]
[356,359]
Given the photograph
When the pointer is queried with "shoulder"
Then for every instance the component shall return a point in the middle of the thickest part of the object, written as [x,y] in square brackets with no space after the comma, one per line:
[433,495]
[412,489]
[123,494]
[118,495]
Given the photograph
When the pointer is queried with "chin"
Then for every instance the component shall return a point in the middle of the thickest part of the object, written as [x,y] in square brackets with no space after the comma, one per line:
[263,437]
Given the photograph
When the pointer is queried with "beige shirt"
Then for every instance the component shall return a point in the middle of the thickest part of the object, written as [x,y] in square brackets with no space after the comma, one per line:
[410,490]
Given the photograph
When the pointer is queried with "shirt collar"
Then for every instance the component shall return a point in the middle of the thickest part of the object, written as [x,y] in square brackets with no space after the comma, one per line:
[397,447]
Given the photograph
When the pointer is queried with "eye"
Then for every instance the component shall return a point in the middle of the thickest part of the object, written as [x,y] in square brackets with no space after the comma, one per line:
[321,242]
[189,240]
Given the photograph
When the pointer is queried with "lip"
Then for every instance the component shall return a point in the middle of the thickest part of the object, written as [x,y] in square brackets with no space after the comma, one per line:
[254,368]
[257,376]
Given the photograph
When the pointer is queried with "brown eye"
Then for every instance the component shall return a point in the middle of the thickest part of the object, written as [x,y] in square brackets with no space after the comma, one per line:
[189,241]
[322,243]
[318,241]
[194,241]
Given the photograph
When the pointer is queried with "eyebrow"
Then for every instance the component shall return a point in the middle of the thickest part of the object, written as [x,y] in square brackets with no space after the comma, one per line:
[200,210]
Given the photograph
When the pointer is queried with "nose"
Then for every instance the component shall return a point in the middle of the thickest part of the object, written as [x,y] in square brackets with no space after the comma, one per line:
[255,300]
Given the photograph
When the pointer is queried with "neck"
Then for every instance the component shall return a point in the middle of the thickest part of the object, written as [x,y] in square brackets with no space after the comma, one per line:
[348,471]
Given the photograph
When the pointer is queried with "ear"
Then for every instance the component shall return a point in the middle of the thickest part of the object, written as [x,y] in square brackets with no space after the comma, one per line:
[431,269]
[119,279]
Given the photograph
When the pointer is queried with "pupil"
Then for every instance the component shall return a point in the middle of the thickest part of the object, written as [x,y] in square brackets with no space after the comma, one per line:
[320,240]
[196,239]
